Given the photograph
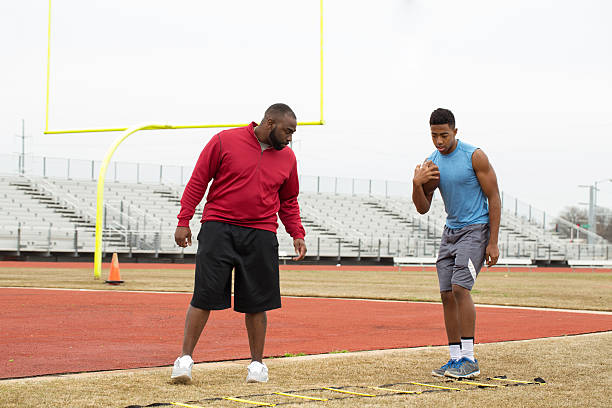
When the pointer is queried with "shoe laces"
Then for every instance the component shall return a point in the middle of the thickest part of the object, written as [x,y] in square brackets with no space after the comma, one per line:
[459,363]
[449,364]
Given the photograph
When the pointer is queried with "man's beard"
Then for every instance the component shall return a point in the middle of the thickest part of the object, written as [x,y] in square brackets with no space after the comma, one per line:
[277,144]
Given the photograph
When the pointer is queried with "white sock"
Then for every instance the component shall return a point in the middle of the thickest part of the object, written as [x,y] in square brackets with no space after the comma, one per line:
[455,351]
[467,348]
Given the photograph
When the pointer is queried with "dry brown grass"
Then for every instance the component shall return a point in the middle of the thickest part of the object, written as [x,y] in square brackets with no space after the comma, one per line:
[577,290]
[172,280]
[577,370]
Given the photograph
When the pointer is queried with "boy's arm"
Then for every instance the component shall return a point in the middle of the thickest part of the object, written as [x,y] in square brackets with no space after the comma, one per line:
[488,182]
[422,174]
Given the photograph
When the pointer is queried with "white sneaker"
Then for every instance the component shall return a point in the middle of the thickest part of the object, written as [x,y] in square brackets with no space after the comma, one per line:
[258,372]
[181,372]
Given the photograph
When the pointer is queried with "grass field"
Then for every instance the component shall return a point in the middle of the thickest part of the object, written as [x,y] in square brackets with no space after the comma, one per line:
[577,369]
[569,290]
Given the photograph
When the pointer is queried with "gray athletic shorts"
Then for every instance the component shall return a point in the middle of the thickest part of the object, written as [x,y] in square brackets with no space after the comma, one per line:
[462,254]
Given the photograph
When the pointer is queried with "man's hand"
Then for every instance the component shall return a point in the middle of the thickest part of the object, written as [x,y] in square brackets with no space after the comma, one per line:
[300,249]
[491,254]
[425,172]
[182,236]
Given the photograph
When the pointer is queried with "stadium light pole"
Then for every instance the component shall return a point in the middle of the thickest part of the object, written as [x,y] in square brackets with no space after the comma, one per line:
[593,207]
[596,190]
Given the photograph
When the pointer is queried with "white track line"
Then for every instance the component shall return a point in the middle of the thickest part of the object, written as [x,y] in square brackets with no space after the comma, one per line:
[95,290]
[600,312]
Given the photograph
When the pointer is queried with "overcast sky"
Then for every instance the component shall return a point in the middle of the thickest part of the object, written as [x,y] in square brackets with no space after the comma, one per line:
[529,81]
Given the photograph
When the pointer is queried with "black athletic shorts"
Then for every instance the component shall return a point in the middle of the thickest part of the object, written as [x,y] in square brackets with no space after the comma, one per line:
[253,253]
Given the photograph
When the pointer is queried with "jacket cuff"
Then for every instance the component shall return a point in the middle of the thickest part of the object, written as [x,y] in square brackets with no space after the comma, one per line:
[183,223]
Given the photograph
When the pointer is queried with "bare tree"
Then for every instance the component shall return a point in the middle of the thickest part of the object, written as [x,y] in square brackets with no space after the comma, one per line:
[575,215]
[579,216]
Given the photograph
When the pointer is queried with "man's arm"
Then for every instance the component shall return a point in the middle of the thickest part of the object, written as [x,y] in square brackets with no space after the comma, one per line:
[289,213]
[422,174]
[205,169]
[488,182]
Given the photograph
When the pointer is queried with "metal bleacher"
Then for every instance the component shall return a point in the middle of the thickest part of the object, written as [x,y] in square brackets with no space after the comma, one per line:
[56,216]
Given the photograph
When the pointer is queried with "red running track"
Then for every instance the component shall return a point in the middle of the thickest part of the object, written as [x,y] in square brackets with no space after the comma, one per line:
[48,331]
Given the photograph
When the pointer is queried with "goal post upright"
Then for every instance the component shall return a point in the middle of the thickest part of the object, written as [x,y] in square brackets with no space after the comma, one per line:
[48,69]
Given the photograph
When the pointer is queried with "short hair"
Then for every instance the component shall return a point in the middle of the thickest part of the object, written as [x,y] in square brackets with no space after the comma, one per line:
[279,109]
[442,116]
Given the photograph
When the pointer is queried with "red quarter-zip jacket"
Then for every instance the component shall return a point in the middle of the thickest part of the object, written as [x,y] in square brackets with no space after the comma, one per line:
[249,186]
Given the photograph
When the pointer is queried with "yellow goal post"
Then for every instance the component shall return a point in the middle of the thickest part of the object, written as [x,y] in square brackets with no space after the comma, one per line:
[127,131]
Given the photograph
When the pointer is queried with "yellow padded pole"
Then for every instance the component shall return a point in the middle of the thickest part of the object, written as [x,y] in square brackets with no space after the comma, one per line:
[100,194]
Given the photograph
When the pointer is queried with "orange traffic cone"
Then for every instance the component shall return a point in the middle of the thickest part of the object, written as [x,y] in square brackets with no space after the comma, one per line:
[113,275]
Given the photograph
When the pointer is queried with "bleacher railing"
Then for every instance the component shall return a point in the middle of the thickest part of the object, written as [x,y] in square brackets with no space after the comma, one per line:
[79,241]
[78,169]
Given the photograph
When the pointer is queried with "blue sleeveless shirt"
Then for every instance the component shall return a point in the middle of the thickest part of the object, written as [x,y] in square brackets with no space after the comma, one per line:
[464,200]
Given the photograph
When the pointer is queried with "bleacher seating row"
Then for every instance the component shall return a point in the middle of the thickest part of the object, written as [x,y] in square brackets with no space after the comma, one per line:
[57,215]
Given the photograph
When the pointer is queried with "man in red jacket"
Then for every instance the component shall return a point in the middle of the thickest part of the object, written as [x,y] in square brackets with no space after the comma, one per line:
[254,179]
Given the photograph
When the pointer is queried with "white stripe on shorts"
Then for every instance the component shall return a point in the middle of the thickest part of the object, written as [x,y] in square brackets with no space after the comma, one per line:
[472,269]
